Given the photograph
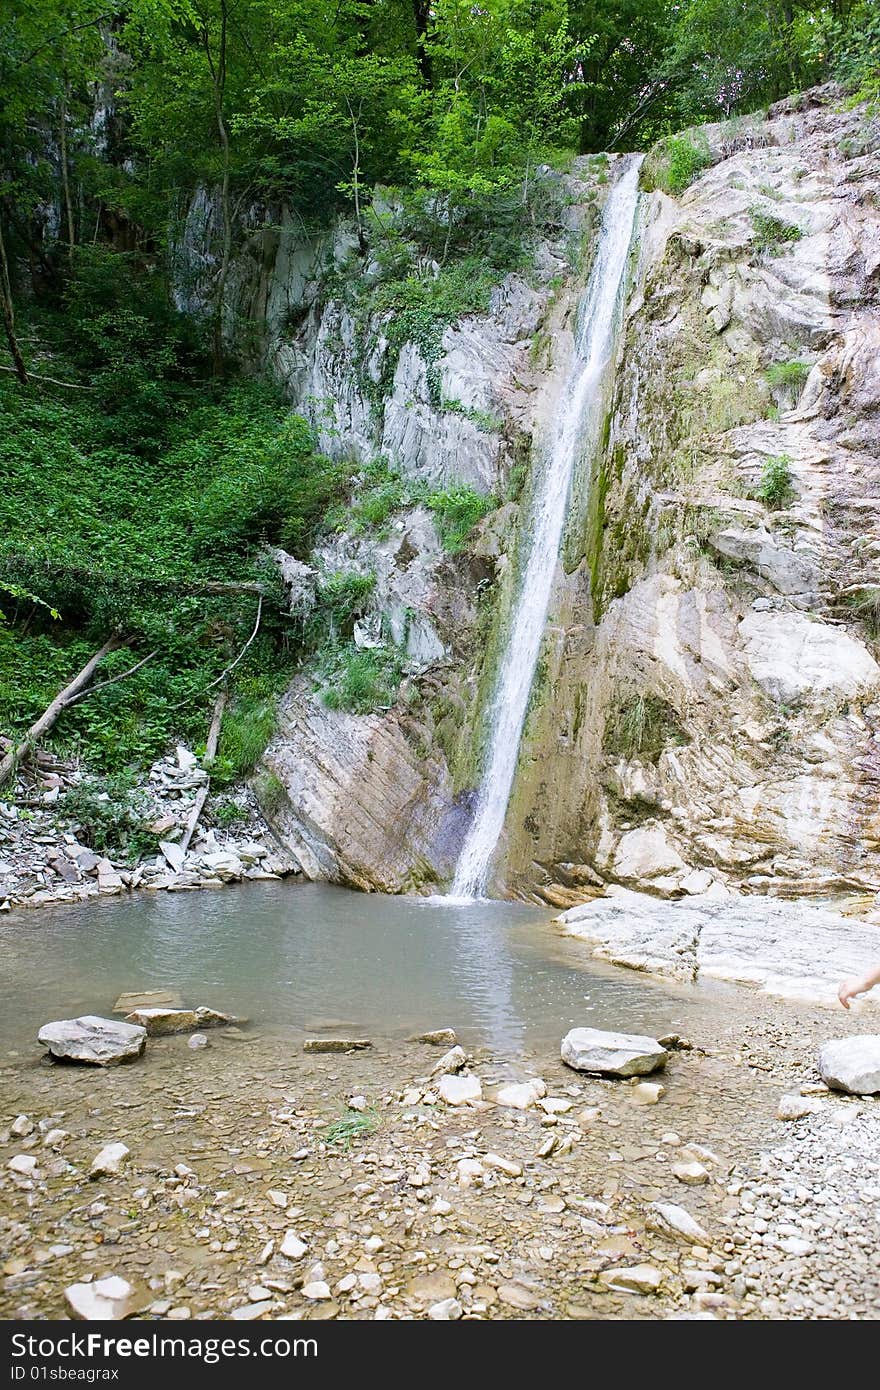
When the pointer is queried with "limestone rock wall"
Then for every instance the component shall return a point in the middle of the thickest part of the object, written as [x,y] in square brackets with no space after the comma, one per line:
[710,702]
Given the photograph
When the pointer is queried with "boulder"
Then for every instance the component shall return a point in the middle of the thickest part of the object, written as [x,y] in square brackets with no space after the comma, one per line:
[852,1064]
[108,1298]
[645,854]
[612,1054]
[794,658]
[521,1094]
[460,1090]
[161,1021]
[99,1042]
[671,1217]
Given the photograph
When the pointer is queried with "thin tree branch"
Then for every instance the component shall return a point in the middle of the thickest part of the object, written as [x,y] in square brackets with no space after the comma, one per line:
[93,689]
[51,380]
[232,666]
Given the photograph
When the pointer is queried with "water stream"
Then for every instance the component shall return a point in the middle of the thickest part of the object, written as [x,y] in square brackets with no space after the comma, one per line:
[577,431]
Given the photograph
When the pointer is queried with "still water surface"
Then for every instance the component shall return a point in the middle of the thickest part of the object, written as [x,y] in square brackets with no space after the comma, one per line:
[303,957]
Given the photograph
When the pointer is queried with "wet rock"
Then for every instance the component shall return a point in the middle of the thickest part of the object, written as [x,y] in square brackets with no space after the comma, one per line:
[439,1037]
[520,1095]
[108,1299]
[611,1054]
[148,999]
[197,1041]
[109,1161]
[22,1126]
[161,1021]
[336,1044]
[852,1064]
[94,1041]
[248,1312]
[460,1090]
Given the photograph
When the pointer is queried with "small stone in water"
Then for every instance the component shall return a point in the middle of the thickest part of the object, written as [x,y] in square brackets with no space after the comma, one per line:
[197,1041]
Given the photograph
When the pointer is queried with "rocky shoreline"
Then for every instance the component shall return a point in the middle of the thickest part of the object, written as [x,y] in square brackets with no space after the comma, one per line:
[44,861]
[255,1179]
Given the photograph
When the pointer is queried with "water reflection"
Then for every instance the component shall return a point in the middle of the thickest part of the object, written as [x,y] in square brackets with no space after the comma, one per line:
[304,956]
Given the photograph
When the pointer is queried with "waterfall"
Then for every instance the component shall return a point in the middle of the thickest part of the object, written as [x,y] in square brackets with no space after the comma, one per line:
[576,432]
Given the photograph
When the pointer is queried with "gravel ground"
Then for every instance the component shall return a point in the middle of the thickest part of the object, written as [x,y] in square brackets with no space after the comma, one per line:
[409,1208]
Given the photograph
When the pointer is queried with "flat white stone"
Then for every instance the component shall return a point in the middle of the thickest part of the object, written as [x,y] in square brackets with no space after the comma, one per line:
[612,1054]
[852,1064]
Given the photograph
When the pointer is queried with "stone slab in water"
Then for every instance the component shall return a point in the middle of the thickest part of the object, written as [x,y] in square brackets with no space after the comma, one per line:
[852,1064]
[148,999]
[336,1044]
[98,1042]
[612,1054]
[161,1021]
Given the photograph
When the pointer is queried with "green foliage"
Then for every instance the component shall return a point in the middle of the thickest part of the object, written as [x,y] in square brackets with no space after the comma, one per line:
[228,813]
[771,233]
[342,598]
[642,727]
[354,1125]
[109,816]
[776,488]
[360,680]
[788,376]
[865,603]
[269,791]
[247,728]
[676,163]
[456,511]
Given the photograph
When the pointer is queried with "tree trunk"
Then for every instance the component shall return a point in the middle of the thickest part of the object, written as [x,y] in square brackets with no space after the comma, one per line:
[65,175]
[421,18]
[50,715]
[210,753]
[9,313]
[218,79]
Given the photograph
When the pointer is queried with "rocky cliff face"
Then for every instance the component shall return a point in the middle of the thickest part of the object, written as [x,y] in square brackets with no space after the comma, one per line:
[710,709]
[706,704]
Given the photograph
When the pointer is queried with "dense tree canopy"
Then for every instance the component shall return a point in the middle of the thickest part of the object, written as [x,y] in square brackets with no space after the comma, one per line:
[139,472]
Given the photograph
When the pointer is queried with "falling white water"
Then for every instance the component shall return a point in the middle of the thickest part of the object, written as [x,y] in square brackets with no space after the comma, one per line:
[576,433]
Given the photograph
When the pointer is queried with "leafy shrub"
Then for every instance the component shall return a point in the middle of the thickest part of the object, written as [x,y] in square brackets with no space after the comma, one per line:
[228,812]
[771,233]
[789,376]
[456,512]
[110,817]
[247,728]
[342,598]
[776,488]
[676,162]
[361,681]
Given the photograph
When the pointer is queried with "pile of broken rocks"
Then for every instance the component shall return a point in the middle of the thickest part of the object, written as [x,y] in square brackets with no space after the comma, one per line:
[43,861]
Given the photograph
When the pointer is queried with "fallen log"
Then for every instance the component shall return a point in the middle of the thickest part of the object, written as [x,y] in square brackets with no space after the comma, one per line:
[210,753]
[50,715]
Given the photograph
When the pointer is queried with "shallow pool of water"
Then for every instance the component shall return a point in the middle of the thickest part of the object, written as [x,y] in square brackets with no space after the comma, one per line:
[309,957]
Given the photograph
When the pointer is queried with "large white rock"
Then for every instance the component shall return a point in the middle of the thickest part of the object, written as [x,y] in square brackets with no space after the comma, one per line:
[645,854]
[105,1298]
[794,658]
[789,948]
[98,1041]
[519,1095]
[460,1090]
[852,1064]
[612,1054]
